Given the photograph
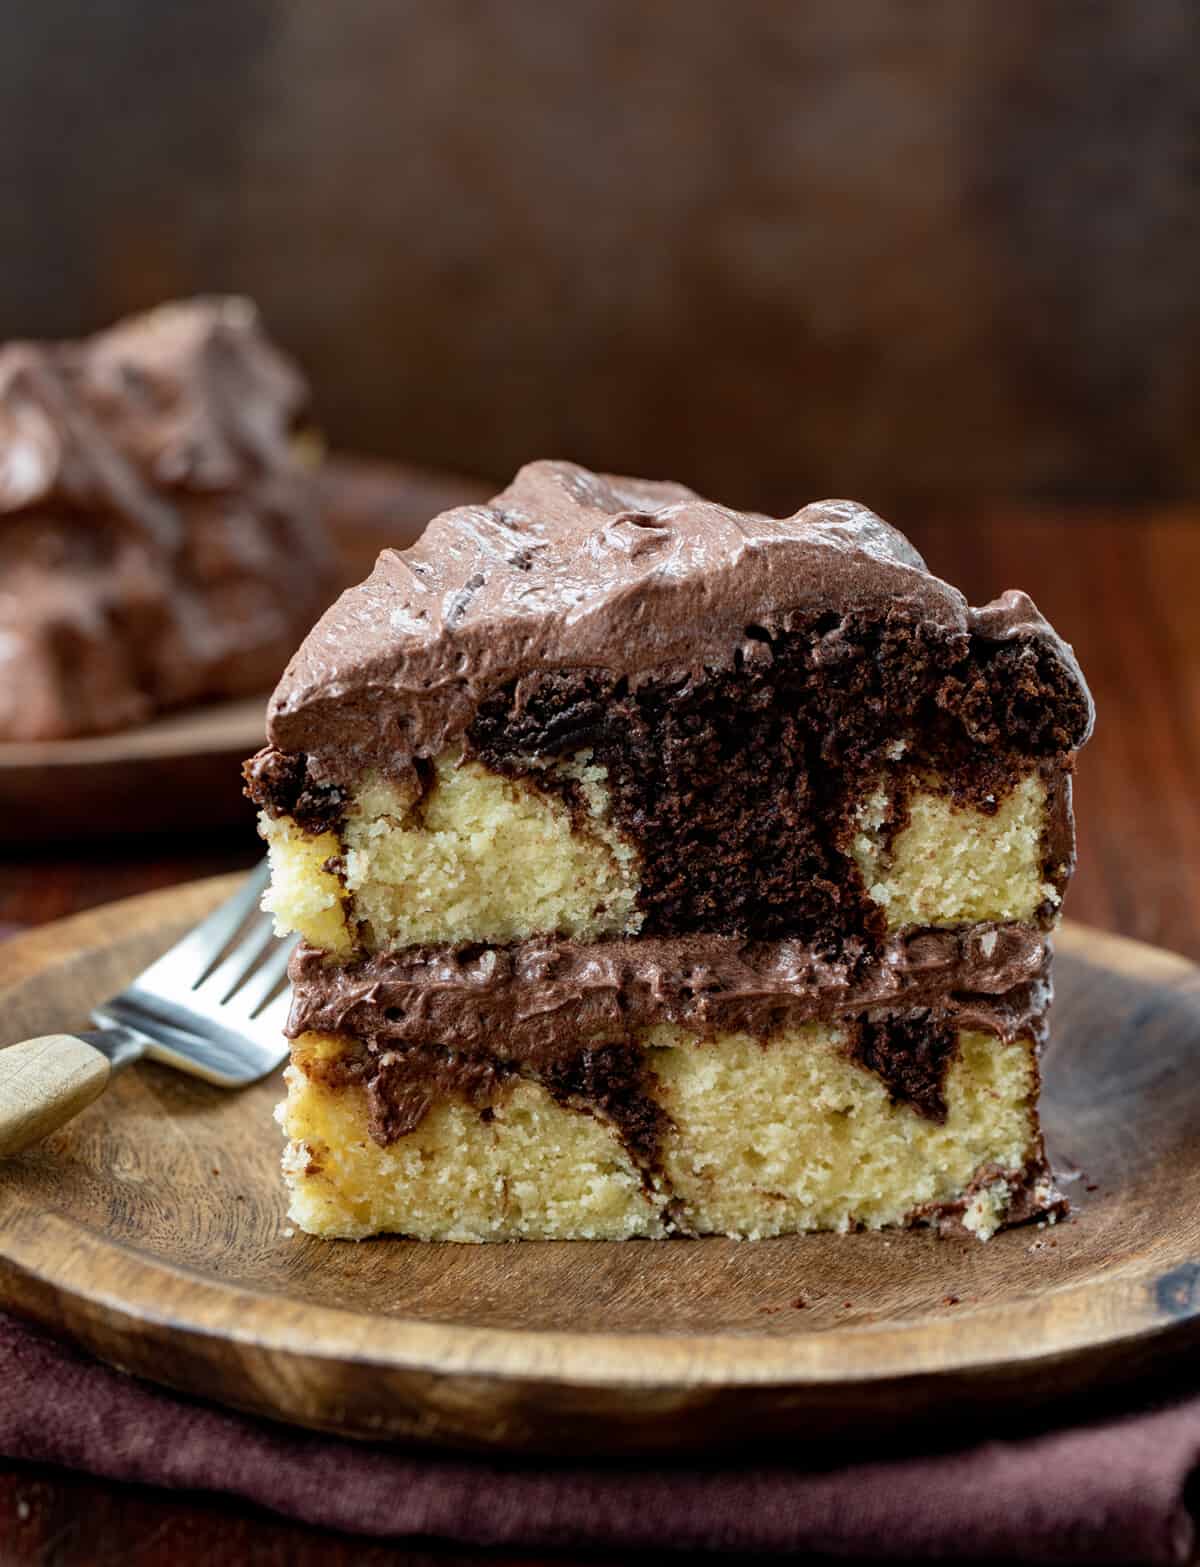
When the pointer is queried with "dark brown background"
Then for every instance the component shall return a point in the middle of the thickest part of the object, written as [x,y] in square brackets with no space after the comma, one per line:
[778,249]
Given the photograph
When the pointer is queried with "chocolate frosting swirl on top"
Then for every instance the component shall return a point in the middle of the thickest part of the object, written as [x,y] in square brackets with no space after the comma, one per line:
[571,569]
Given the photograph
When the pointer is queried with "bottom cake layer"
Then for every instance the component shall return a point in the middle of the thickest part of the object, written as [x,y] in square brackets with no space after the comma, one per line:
[730,1135]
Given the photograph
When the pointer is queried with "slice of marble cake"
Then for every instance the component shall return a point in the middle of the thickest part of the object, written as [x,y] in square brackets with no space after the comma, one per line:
[663,868]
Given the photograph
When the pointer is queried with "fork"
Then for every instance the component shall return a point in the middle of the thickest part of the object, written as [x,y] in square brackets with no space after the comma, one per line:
[214,1006]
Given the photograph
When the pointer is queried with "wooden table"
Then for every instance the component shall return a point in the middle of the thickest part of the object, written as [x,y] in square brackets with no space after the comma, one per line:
[1120,584]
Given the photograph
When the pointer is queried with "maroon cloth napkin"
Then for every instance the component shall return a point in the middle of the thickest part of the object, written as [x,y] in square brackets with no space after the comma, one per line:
[1108,1492]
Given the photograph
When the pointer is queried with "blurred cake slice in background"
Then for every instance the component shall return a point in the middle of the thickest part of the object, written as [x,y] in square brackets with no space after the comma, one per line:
[160,534]
[663,868]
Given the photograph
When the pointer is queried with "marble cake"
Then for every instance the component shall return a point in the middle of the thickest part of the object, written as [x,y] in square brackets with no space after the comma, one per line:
[666,869]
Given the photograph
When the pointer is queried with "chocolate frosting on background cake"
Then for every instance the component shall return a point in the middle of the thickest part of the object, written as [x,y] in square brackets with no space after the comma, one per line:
[567,569]
[159,543]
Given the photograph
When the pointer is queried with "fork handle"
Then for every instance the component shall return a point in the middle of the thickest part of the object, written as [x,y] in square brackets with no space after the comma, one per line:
[43,1083]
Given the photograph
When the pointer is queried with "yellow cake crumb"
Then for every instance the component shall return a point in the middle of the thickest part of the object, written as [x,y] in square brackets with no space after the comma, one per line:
[531,1170]
[953,865]
[766,1140]
[482,857]
[479,858]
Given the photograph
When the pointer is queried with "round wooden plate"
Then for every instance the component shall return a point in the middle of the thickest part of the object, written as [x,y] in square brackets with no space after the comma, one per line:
[153,1232]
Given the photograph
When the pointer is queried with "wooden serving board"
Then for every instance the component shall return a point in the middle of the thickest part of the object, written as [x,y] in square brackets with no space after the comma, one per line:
[153,1232]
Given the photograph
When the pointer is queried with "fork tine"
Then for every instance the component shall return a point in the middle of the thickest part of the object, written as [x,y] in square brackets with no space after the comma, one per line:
[204,945]
[261,986]
[223,982]
[214,1004]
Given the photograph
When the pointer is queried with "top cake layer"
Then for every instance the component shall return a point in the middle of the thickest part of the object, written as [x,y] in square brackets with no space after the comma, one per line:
[600,707]
[568,569]
[159,541]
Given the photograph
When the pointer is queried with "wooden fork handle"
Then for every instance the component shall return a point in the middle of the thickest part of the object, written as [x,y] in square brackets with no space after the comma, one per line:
[43,1083]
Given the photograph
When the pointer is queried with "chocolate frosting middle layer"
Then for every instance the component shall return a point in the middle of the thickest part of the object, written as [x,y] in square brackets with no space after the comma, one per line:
[530,998]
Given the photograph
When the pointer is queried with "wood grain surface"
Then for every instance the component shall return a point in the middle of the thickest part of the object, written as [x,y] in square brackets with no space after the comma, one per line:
[1120,582]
